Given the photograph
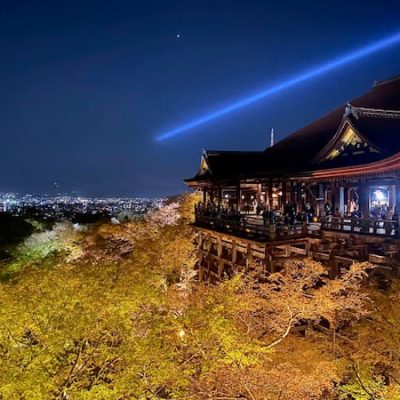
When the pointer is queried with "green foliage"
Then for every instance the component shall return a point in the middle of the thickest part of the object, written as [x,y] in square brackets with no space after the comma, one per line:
[363,385]
[114,312]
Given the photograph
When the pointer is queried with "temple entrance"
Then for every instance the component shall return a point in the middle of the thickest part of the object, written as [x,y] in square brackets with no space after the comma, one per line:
[382,201]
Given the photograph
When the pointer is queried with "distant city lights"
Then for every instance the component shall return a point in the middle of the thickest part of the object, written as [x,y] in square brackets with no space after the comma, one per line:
[65,206]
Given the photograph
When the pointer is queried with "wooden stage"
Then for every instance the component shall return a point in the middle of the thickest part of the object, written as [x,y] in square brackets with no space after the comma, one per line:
[222,253]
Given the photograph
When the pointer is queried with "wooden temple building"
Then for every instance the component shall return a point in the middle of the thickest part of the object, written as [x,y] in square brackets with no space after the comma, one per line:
[330,191]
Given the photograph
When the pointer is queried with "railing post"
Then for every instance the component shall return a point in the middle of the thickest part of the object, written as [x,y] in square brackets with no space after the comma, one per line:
[387,226]
[364,225]
[304,228]
[272,231]
[396,228]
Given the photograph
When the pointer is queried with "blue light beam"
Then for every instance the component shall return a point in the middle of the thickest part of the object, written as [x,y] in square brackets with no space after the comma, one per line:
[311,73]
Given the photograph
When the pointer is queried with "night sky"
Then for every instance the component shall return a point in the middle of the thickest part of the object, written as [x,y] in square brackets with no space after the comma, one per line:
[85,86]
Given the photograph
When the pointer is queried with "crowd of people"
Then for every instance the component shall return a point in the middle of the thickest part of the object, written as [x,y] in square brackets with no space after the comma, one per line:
[388,217]
[290,215]
[212,210]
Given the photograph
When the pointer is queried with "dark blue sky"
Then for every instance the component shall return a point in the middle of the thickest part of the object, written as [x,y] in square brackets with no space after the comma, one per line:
[86,85]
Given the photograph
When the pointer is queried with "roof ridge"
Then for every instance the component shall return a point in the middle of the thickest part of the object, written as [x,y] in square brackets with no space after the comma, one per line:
[380,82]
[371,112]
[217,152]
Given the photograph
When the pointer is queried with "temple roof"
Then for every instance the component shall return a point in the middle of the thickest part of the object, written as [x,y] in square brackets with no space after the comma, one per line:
[365,130]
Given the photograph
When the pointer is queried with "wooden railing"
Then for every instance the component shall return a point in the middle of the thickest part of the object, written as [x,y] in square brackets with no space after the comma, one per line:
[252,227]
[361,225]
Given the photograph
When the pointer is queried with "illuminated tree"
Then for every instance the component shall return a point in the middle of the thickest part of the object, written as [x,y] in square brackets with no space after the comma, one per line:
[116,312]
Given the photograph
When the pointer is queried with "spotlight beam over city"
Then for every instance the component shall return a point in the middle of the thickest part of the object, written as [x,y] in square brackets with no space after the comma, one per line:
[266,92]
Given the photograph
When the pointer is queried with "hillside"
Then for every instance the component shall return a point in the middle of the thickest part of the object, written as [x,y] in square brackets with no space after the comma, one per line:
[116,312]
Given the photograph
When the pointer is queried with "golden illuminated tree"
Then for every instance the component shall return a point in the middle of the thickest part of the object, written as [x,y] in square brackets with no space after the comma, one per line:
[116,312]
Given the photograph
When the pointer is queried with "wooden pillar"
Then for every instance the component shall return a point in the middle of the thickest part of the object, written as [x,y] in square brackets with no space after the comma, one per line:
[327,192]
[335,197]
[397,189]
[307,198]
[208,257]
[220,196]
[249,257]
[364,204]
[364,198]
[234,253]
[269,263]
[321,202]
[204,195]
[284,192]
[258,196]
[200,256]
[238,194]
[397,204]
[332,265]
[220,259]
[270,192]
[341,200]
[209,261]
[309,253]
[200,242]
[292,193]
[298,197]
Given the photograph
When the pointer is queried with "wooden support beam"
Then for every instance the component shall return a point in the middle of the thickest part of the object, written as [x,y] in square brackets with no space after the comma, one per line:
[249,257]
[332,265]
[307,249]
[287,250]
[268,260]
[234,253]
[220,260]
[334,249]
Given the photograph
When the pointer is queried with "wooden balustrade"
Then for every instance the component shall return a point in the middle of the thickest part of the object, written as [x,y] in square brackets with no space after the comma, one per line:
[252,227]
[367,226]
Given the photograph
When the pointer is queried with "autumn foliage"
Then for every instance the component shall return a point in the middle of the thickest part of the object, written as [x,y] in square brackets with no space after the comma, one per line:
[115,312]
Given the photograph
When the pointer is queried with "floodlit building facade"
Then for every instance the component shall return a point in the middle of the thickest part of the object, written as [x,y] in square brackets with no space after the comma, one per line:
[340,174]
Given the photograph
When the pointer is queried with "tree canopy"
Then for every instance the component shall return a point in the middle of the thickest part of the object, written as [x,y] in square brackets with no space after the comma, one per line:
[116,312]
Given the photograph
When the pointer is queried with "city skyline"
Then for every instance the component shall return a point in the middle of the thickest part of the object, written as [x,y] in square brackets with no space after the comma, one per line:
[66,206]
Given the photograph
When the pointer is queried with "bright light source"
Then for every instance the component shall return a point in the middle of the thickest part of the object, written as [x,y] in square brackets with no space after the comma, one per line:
[379,195]
[181,333]
[304,76]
